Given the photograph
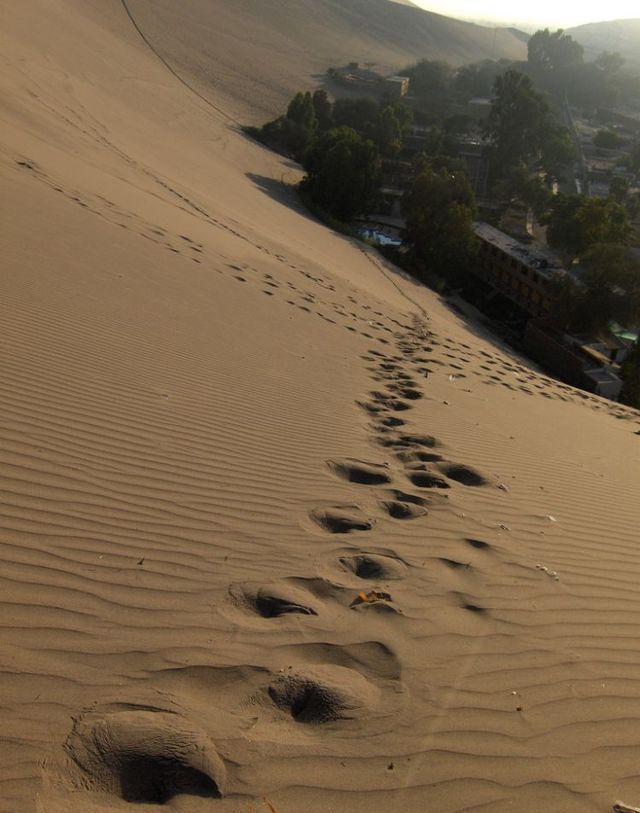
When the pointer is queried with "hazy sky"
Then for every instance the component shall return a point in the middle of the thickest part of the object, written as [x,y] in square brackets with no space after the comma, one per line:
[545,12]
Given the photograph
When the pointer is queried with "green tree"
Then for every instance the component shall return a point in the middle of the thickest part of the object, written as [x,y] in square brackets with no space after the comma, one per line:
[388,134]
[607,290]
[631,377]
[286,136]
[575,223]
[611,285]
[478,78]
[301,111]
[606,139]
[404,114]
[291,134]
[619,189]
[323,109]
[360,114]
[554,51]
[518,122]
[558,150]
[632,205]
[635,157]
[611,62]
[342,173]
[431,84]
[520,184]
[439,229]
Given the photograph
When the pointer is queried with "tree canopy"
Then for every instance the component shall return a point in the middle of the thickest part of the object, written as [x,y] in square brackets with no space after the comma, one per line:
[342,173]
[606,139]
[607,290]
[554,51]
[575,223]
[519,120]
[439,212]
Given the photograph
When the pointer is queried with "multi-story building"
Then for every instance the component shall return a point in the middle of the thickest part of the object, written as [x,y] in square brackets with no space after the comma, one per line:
[516,270]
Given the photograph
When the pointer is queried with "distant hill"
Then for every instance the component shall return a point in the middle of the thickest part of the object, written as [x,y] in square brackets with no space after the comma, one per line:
[614,35]
[523,36]
[258,53]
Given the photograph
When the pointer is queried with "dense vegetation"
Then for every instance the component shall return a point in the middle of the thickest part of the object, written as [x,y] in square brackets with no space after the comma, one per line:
[342,144]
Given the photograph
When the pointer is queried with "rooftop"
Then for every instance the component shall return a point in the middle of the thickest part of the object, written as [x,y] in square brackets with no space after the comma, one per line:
[602,376]
[538,258]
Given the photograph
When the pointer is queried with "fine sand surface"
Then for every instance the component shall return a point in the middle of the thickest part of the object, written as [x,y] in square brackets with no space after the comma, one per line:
[281,531]
[251,56]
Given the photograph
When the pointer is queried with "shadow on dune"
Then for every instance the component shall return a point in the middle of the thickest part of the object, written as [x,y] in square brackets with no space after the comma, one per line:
[282,191]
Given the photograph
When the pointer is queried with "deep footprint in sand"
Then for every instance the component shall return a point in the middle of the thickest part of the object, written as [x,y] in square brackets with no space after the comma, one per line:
[397,509]
[409,393]
[273,600]
[323,694]
[418,457]
[341,519]
[374,566]
[145,756]
[462,474]
[424,479]
[392,422]
[409,442]
[360,471]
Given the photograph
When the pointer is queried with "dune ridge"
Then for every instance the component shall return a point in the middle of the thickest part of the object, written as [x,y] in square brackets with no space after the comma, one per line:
[194,372]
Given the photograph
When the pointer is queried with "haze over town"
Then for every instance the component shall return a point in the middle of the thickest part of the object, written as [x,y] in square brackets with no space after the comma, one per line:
[540,14]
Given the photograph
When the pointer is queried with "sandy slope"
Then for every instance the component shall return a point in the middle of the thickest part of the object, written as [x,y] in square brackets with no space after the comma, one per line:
[622,36]
[202,391]
[251,56]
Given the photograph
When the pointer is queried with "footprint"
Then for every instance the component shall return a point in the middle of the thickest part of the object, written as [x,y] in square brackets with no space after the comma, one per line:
[403,496]
[420,440]
[273,600]
[375,566]
[398,406]
[424,479]
[478,544]
[402,510]
[145,756]
[406,392]
[359,471]
[392,421]
[462,474]
[418,457]
[323,694]
[453,564]
[341,519]
[371,407]
[469,605]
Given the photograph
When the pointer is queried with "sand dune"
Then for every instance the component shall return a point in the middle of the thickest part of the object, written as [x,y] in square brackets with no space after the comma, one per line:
[280,529]
[251,56]
[622,36]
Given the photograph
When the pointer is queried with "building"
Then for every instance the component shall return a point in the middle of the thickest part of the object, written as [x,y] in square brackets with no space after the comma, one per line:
[523,274]
[518,271]
[369,83]
[473,152]
[396,86]
[572,360]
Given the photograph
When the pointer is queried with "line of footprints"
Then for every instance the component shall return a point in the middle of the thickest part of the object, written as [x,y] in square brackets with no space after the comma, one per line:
[423,466]
[151,752]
